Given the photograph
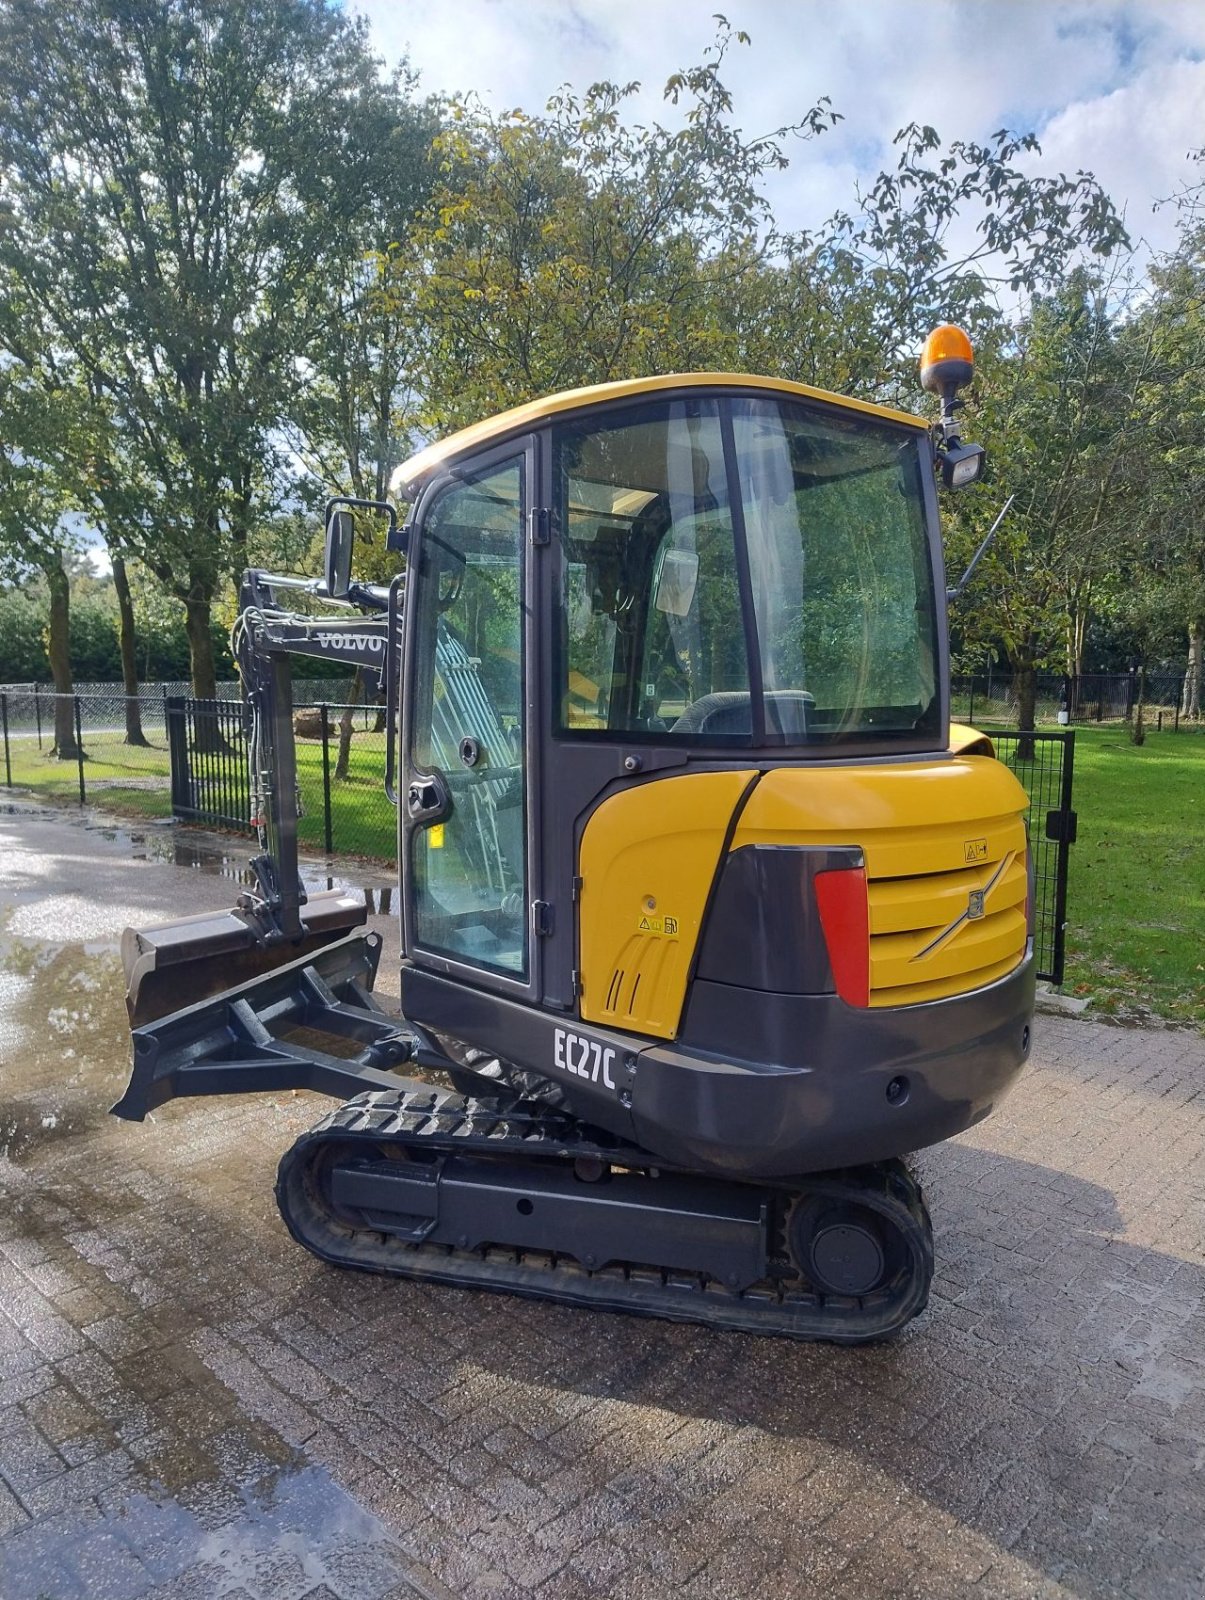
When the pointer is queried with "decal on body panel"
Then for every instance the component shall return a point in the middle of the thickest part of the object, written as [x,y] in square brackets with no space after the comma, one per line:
[584,1058]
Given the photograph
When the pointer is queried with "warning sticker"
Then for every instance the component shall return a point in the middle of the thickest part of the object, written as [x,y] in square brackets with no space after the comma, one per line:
[666,926]
[975,850]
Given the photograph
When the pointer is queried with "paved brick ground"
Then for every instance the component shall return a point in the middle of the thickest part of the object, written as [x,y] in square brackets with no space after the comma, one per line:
[190,1406]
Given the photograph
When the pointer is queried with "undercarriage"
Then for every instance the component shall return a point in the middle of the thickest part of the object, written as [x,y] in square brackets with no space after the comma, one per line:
[493,1184]
[498,1192]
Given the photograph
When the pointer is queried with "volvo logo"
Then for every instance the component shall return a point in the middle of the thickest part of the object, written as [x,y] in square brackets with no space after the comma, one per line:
[975,912]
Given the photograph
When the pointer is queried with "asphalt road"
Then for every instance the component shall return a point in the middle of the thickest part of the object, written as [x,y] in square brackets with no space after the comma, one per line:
[192,1407]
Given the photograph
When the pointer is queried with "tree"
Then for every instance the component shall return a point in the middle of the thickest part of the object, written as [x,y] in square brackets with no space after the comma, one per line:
[1165,590]
[573,248]
[1059,411]
[36,528]
[165,191]
[351,418]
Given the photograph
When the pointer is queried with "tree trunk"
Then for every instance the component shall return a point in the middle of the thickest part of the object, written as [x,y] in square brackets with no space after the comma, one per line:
[200,649]
[58,648]
[207,732]
[1190,705]
[129,653]
[346,722]
[1138,729]
[1027,700]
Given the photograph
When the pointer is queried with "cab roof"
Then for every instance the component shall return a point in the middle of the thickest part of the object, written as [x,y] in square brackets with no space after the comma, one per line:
[407,478]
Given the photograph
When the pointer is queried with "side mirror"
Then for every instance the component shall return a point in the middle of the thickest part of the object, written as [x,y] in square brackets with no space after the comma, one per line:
[340,536]
[674,585]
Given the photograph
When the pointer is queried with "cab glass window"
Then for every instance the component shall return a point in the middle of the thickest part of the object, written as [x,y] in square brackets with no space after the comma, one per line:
[839,563]
[469,867]
[652,639]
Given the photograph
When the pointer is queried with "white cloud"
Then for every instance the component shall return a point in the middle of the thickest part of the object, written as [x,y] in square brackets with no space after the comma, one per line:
[1116,88]
[1135,140]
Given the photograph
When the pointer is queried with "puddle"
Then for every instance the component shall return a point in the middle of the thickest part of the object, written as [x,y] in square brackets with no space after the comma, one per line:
[215,854]
[64,1042]
[64,1035]
[290,1530]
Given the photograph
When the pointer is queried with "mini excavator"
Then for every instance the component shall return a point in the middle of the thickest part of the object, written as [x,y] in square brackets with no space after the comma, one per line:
[708,914]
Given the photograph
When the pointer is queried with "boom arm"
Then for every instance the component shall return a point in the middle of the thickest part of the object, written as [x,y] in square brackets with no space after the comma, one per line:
[267,635]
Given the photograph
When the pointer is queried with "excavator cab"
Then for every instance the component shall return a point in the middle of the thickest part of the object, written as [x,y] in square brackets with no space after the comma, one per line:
[708,914]
[665,584]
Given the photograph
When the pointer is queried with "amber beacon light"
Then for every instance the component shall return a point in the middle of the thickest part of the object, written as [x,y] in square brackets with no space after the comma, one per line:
[947,364]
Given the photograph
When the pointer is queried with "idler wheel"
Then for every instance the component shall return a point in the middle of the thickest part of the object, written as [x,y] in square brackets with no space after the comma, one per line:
[842,1248]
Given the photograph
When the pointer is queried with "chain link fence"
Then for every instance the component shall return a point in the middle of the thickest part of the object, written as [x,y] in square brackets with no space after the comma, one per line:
[87,747]
[984,697]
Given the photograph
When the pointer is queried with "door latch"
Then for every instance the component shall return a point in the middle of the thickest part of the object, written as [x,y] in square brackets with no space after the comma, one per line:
[426,797]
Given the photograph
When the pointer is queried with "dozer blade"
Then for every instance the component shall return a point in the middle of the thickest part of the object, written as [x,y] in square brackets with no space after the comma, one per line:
[186,960]
[269,1035]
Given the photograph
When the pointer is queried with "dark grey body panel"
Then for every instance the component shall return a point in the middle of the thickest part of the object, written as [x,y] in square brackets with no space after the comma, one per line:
[829,1100]
[762,929]
[826,1103]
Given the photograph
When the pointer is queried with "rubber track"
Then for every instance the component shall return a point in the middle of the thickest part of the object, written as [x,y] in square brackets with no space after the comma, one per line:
[507,1125]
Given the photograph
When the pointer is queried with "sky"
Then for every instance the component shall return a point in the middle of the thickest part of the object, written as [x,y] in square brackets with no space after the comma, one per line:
[1116,89]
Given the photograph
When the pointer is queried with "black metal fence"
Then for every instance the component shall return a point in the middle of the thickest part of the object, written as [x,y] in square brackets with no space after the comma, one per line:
[1092,697]
[207,741]
[342,807]
[192,762]
[1044,763]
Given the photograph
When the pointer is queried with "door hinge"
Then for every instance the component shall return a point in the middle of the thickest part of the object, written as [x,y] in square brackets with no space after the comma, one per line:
[575,984]
[577,889]
[540,522]
[541,918]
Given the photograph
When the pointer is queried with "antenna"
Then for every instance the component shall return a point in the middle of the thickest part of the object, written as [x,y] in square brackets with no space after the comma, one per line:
[956,592]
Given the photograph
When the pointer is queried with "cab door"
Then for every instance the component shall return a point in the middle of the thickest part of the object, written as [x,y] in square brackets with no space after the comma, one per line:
[466,732]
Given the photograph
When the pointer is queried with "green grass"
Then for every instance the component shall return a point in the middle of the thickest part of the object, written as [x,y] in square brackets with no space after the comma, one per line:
[121,777]
[135,782]
[363,823]
[1136,898]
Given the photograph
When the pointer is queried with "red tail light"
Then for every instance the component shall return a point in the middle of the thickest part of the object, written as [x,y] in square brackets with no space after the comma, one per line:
[845,918]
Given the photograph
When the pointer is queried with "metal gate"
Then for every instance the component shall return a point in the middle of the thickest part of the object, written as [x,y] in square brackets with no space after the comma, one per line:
[1044,764]
[207,741]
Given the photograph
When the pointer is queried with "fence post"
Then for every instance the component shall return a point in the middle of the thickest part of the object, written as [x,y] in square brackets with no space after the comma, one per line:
[177,752]
[8,766]
[79,749]
[37,712]
[326,781]
[971,702]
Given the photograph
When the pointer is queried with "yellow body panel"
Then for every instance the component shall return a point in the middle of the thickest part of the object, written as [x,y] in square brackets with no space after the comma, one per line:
[520,419]
[965,739]
[932,833]
[648,858]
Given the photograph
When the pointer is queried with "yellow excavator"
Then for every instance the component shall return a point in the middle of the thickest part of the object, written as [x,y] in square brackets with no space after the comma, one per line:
[708,914]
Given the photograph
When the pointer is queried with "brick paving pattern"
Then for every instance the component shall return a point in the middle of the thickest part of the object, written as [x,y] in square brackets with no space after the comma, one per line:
[191,1406]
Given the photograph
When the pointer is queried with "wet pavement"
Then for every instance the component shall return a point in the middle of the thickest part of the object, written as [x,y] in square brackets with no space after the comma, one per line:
[190,1406]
